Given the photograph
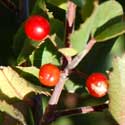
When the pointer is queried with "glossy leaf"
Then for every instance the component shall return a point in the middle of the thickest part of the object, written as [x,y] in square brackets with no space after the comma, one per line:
[12,111]
[13,85]
[111,32]
[116,90]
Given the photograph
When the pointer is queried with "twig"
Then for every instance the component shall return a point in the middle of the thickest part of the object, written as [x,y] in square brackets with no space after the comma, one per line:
[59,87]
[68,64]
[81,110]
[50,109]
[77,111]
[70,21]
[96,3]
[81,55]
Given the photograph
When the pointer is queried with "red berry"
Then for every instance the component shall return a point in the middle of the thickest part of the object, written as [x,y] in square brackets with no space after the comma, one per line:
[49,75]
[36,27]
[97,85]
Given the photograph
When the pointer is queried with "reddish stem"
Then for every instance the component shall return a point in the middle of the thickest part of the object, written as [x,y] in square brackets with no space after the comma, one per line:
[75,111]
[81,55]
[59,87]
[50,110]
[70,21]
[81,110]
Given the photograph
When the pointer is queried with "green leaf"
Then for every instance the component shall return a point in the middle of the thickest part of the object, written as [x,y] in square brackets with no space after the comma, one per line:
[39,6]
[106,12]
[12,111]
[18,40]
[118,47]
[47,53]
[31,70]
[30,116]
[116,90]
[68,51]
[57,42]
[27,49]
[12,85]
[80,37]
[102,14]
[57,27]
[111,32]
[87,9]
[71,87]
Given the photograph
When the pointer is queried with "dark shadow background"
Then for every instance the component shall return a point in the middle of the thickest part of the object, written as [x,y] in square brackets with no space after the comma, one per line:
[8,27]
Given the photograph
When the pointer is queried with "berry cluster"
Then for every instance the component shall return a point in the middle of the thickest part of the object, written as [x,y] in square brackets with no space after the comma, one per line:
[37,28]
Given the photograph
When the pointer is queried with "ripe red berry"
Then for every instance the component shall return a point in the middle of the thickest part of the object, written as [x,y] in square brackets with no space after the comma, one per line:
[36,27]
[97,85]
[49,75]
